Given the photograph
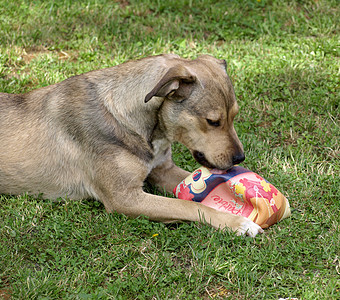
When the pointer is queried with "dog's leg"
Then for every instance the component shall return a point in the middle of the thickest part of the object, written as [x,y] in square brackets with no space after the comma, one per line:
[167,176]
[169,210]
[122,192]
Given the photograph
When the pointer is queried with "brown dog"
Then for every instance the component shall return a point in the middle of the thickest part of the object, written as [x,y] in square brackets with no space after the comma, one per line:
[101,134]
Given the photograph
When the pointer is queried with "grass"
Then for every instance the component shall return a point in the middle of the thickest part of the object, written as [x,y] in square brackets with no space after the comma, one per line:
[283,57]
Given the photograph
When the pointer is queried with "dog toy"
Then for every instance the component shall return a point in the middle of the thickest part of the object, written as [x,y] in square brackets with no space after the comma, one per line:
[238,191]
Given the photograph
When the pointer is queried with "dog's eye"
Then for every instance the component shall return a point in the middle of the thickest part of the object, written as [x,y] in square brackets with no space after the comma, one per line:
[213,123]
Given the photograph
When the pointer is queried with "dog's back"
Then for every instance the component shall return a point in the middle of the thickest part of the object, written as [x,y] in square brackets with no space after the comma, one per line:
[34,154]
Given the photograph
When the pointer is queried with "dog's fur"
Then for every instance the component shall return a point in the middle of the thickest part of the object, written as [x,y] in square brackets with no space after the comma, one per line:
[102,134]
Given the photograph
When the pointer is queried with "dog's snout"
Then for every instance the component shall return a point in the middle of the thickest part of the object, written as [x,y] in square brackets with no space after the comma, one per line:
[238,158]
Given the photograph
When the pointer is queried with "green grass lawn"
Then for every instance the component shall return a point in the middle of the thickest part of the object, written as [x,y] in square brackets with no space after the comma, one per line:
[283,58]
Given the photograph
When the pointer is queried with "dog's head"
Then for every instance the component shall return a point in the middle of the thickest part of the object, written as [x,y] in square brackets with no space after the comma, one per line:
[198,111]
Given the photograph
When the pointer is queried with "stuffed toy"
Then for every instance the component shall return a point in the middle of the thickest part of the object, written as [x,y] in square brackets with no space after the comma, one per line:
[238,191]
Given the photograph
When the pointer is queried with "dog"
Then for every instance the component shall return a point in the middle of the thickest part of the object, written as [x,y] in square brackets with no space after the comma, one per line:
[101,134]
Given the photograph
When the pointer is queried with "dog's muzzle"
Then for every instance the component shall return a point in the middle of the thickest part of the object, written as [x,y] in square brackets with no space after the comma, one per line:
[201,159]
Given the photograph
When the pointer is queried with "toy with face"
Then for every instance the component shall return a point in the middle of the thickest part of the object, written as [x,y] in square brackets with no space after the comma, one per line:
[237,191]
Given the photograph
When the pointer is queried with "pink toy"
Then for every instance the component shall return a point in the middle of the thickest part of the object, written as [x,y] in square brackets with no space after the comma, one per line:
[237,191]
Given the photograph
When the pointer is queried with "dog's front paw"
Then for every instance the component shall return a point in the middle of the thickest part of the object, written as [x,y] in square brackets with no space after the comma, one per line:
[248,227]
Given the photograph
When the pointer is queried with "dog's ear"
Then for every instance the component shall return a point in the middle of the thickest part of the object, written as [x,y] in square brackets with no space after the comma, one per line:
[176,84]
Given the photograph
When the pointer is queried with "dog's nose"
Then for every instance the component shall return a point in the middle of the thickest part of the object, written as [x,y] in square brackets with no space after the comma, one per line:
[238,158]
